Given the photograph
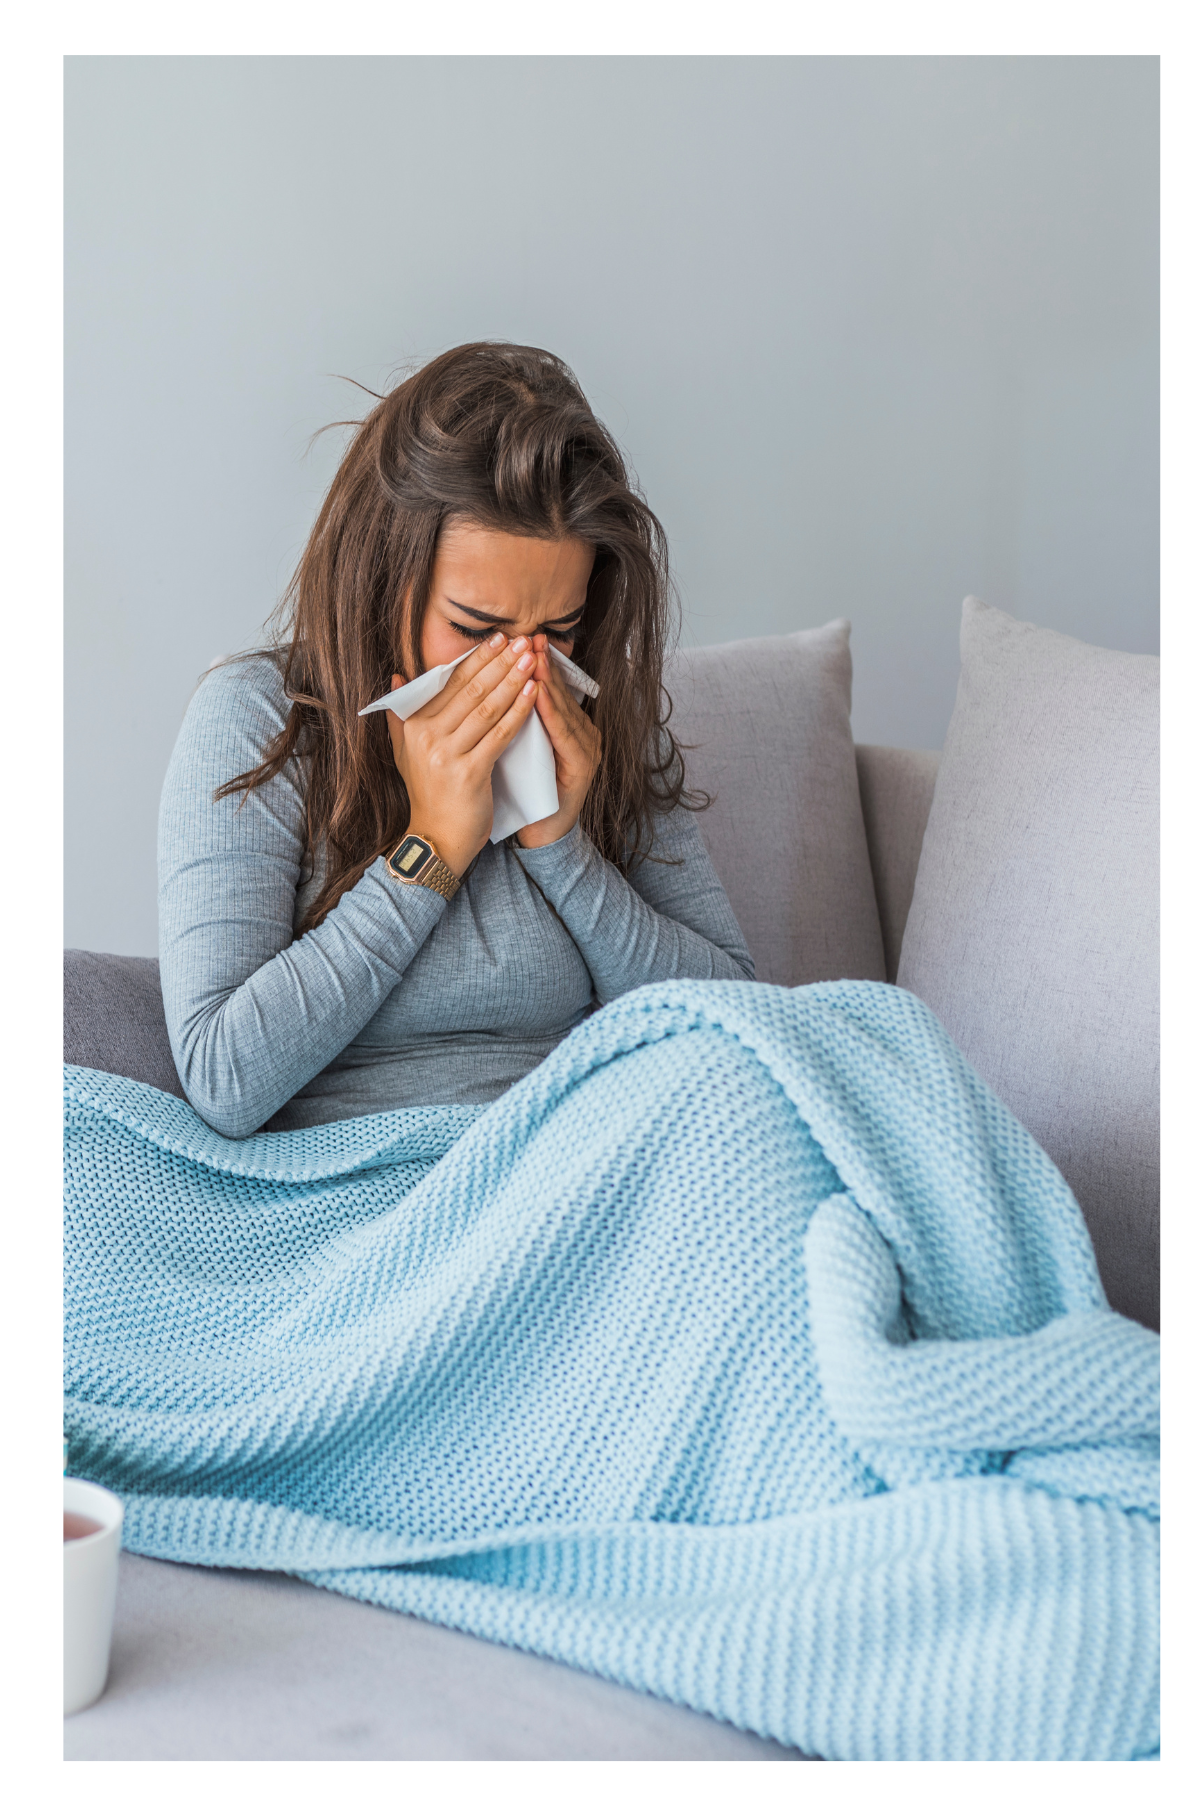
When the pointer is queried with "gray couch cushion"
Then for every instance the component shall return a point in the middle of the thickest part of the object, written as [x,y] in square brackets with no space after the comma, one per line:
[220,1666]
[896,789]
[1033,932]
[113,1018]
[769,719]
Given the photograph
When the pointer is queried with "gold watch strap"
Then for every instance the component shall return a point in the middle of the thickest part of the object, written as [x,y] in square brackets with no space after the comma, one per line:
[438,876]
[433,874]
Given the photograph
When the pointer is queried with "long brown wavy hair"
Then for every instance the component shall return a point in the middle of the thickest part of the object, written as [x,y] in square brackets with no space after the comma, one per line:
[499,434]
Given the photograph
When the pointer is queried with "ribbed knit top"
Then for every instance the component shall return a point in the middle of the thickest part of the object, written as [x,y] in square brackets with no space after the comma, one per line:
[397,998]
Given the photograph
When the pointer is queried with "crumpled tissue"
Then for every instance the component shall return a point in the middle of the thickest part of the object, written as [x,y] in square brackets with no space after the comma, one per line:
[524,789]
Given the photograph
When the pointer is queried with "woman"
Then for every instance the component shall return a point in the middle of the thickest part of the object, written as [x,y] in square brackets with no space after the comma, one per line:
[480,504]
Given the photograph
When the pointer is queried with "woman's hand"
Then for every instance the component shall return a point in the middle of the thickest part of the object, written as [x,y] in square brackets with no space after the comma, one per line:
[445,752]
[576,745]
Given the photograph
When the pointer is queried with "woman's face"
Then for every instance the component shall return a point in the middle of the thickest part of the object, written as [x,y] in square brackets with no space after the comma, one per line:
[486,581]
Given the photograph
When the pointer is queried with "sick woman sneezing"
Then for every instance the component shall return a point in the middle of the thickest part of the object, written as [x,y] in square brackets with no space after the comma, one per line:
[728,1340]
[483,508]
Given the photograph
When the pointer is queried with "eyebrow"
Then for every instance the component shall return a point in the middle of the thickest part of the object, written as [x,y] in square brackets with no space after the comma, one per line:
[473,612]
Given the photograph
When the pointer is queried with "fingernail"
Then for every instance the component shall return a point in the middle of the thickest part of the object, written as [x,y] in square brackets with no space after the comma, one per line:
[526,662]
[528,688]
[520,643]
[495,642]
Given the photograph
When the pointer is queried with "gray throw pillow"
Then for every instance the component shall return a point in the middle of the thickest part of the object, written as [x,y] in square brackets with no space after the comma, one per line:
[1033,932]
[768,722]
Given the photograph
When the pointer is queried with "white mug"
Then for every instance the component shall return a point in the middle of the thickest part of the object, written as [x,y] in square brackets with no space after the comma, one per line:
[89,1590]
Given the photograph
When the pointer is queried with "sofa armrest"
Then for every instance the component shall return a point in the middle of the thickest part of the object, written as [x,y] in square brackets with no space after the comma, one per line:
[113,1018]
[896,789]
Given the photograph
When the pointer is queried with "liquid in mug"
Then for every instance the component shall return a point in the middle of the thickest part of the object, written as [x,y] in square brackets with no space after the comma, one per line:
[78,1525]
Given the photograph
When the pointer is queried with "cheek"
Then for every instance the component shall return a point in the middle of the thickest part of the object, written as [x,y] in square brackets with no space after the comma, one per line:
[440,643]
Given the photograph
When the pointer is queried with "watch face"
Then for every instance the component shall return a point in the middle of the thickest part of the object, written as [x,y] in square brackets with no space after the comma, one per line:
[410,857]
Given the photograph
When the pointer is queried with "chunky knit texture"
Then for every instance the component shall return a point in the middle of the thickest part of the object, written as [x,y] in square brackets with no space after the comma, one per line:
[747,1352]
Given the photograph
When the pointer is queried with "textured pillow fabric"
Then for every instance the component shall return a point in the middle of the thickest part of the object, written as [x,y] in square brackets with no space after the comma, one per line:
[113,1018]
[1033,932]
[896,789]
[769,719]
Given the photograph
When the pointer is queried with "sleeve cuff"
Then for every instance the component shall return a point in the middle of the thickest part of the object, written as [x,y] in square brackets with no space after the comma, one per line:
[558,865]
[420,907]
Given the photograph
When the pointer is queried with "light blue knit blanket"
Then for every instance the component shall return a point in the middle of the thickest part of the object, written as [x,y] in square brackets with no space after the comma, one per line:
[748,1352]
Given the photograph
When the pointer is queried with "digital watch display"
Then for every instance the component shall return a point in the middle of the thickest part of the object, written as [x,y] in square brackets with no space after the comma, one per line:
[416,861]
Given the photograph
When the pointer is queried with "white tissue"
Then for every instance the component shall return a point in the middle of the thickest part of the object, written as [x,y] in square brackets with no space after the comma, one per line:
[523,786]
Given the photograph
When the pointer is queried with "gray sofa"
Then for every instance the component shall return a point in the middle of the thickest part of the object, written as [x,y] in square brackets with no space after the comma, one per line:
[1012,884]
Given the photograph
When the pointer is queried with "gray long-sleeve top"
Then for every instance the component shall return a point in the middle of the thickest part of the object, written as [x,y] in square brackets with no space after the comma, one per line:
[397,998]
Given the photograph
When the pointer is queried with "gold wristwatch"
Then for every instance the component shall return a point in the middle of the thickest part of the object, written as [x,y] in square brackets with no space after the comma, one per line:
[416,861]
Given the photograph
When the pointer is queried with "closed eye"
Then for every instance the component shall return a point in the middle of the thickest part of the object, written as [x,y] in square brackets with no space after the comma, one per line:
[477,637]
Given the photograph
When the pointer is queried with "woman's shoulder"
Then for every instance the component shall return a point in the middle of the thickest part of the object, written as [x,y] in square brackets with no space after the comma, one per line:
[242,695]
[675,831]
[237,710]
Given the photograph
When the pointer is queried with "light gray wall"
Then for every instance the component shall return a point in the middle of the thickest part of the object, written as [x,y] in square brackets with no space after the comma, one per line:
[875,332]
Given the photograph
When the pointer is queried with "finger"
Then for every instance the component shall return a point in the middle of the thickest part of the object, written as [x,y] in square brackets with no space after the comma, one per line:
[569,696]
[562,717]
[493,705]
[485,680]
[496,740]
[570,751]
[472,668]
[574,739]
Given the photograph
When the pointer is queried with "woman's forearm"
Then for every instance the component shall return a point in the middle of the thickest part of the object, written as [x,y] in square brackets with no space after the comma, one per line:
[253,1012]
[627,942]
[252,1020]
